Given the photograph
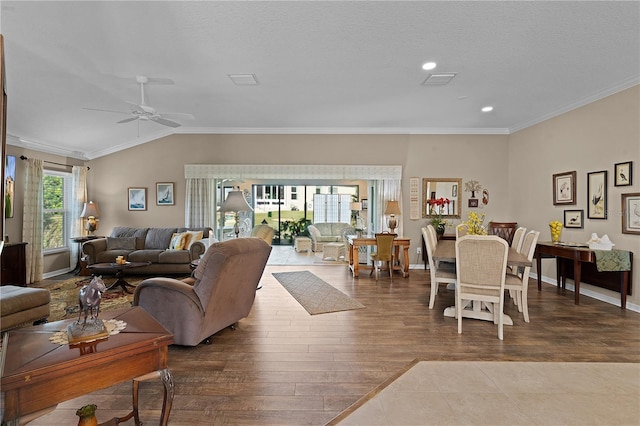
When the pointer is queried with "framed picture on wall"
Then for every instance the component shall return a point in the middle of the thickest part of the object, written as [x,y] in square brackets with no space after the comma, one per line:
[597,195]
[574,219]
[623,174]
[164,194]
[631,213]
[137,198]
[365,204]
[564,188]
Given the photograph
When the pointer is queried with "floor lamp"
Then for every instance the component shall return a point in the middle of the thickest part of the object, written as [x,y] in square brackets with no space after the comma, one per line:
[236,203]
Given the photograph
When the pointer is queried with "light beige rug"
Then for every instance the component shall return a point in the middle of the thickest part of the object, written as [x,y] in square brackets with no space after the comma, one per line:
[314,294]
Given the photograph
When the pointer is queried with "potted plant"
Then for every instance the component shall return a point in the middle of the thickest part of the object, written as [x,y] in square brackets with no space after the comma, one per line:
[435,210]
[295,228]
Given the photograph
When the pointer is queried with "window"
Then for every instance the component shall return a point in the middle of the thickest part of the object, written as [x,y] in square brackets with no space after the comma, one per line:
[56,196]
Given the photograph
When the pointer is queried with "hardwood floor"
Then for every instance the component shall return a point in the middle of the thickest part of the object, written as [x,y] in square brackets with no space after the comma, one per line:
[281,366]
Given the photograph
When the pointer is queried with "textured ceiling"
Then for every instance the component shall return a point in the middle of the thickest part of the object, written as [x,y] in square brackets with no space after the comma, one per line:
[322,67]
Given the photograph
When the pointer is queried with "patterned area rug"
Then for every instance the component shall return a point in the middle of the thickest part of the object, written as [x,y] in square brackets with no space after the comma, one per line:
[64,295]
[314,294]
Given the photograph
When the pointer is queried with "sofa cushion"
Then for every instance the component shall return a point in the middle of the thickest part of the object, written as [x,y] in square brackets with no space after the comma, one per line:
[125,231]
[158,238]
[152,256]
[174,256]
[121,243]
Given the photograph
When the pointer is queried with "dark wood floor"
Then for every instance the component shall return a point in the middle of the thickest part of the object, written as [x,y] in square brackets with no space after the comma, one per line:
[282,366]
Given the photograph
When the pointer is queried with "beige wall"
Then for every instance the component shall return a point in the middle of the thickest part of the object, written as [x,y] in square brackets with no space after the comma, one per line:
[516,169]
[588,139]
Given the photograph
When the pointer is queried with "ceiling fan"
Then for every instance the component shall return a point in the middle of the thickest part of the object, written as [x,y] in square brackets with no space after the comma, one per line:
[142,111]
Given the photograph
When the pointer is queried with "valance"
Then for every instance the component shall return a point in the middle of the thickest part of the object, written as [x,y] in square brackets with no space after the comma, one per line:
[291,171]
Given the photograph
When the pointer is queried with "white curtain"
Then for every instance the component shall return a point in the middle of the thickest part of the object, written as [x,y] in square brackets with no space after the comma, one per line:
[32,219]
[199,210]
[78,198]
[385,190]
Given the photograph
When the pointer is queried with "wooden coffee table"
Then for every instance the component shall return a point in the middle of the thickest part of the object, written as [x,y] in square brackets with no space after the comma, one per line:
[119,269]
[38,374]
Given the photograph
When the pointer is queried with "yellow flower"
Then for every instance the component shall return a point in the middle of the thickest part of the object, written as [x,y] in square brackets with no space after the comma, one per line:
[475,224]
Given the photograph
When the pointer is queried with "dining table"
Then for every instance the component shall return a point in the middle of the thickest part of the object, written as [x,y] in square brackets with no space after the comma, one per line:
[446,252]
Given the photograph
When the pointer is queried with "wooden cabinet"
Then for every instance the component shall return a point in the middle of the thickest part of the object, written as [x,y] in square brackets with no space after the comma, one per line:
[14,265]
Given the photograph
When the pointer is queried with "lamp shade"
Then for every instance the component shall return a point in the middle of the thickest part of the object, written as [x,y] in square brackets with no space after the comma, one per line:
[235,202]
[392,208]
[357,206]
[90,209]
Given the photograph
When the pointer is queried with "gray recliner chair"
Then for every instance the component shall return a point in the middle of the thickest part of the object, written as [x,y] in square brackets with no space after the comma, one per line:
[219,294]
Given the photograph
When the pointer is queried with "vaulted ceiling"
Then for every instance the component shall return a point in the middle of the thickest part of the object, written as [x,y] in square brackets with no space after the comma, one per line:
[319,67]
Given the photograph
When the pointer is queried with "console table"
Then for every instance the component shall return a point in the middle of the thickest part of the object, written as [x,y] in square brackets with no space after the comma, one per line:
[579,255]
[13,264]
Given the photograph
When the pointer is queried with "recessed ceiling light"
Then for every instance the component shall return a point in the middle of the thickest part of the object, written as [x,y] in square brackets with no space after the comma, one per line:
[243,79]
[487,109]
[427,66]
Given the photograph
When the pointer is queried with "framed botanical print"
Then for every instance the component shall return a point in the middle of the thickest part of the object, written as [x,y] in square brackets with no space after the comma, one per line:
[164,194]
[623,174]
[631,213]
[574,219]
[597,195]
[564,188]
[137,198]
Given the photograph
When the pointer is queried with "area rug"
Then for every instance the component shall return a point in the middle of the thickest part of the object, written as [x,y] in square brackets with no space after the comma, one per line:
[314,294]
[64,295]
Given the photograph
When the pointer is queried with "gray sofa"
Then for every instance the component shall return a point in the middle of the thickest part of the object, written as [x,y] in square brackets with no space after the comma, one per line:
[220,293]
[148,245]
[328,232]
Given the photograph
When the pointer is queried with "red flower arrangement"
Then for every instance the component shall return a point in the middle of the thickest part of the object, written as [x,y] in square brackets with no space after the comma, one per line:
[435,210]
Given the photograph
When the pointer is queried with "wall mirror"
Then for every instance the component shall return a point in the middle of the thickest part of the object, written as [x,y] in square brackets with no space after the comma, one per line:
[436,188]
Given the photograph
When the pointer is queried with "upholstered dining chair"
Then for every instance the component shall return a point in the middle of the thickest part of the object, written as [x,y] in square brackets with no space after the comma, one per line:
[481,265]
[432,234]
[517,282]
[438,275]
[516,244]
[384,253]
[461,230]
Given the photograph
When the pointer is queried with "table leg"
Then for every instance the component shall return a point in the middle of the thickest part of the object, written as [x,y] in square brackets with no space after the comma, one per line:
[623,289]
[167,401]
[539,269]
[355,262]
[120,282]
[576,279]
[406,260]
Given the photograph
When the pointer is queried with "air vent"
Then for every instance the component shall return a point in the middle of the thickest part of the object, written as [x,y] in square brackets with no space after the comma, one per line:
[439,79]
[243,79]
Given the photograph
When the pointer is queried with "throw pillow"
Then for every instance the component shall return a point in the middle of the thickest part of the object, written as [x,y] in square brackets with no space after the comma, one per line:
[178,241]
[192,237]
[121,243]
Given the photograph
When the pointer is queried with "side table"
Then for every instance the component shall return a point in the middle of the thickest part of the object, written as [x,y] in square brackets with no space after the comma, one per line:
[119,271]
[302,244]
[81,240]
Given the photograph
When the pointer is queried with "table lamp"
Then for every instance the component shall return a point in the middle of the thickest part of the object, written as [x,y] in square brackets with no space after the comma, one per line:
[236,203]
[90,212]
[392,210]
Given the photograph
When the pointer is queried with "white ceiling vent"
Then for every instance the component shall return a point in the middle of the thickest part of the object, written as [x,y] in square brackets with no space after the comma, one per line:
[439,79]
[243,79]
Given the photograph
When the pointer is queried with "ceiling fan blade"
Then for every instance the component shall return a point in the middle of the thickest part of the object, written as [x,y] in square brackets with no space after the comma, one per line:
[164,121]
[126,120]
[177,115]
[107,110]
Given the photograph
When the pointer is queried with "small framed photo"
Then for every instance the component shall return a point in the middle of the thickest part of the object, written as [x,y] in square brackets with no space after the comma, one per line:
[623,174]
[574,219]
[164,194]
[137,198]
[472,202]
[365,204]
[631,213]
[564,188]
[597,195]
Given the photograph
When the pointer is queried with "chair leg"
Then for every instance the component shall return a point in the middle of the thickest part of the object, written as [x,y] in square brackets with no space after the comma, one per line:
[525,305]
[434,290]
[459,312]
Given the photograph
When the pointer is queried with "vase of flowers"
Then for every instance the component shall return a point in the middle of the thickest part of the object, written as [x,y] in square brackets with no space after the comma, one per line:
[436,209]
[475,224]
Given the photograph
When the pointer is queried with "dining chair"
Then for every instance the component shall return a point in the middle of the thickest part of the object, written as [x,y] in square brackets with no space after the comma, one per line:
[481,272]
[461,230]
[518,282]
[516,244]
[438,275]
[384,253]
[503,229]
[433,235]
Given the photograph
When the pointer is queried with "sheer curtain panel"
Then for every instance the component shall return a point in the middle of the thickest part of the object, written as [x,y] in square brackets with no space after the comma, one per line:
[32,219]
